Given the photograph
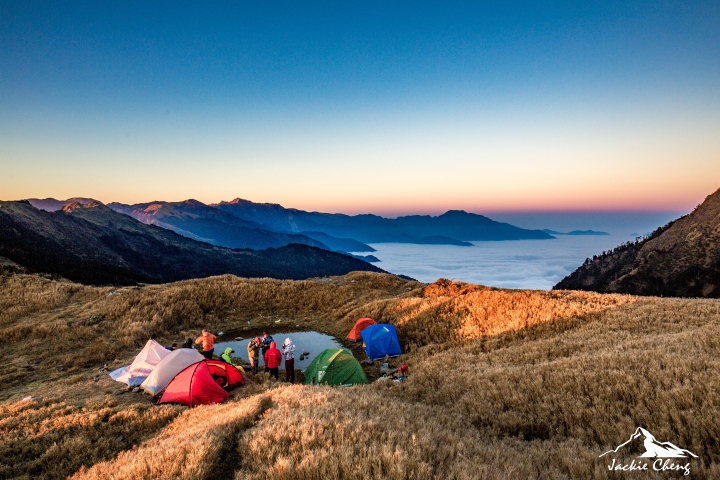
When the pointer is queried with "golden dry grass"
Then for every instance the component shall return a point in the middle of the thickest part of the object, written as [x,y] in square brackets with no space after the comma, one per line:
[52,438]
[194,446]
[458,311]
[504,384]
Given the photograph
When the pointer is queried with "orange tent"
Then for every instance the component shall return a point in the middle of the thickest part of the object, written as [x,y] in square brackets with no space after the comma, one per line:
[360,325]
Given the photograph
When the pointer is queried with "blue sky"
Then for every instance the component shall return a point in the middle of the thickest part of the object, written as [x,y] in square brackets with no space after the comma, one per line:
[389,107]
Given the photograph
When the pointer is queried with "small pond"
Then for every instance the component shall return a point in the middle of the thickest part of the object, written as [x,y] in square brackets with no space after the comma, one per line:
[313,342]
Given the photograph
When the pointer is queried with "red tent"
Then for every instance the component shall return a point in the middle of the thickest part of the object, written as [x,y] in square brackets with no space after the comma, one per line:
[360,325]
[195,386]
[229,375]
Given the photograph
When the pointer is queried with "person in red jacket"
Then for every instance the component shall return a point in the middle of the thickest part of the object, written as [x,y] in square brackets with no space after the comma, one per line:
[273,357]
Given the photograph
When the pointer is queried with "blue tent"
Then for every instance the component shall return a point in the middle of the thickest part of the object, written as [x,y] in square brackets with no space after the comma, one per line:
[380,340]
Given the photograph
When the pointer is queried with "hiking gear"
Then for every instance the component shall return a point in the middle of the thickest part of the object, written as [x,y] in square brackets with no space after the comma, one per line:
[143,364]
[273,357]
[381,340]
[360,325]
[228,375]
[193,386]
[171,365]
[335,366]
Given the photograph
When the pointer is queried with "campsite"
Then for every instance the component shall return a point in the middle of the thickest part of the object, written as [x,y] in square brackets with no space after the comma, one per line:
[359,240]
[498,378]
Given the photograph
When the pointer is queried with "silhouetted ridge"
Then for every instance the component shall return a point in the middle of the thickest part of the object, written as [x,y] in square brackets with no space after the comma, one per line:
[455,227]
[681,258]
[93,244]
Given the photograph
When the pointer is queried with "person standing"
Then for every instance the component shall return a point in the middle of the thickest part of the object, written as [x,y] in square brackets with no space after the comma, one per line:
[289,354]
[253,349]
[266,344]
[207,340]
[272,358]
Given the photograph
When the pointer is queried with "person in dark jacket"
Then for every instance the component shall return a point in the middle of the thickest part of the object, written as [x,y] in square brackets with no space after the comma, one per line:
[187,344]
[266,344]
[272,358]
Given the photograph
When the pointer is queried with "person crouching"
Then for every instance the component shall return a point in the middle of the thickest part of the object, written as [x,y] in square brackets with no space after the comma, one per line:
[289,354]
[272,359]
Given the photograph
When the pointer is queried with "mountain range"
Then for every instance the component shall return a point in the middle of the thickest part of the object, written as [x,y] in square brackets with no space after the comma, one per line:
[680,259]
[93,244]
[455,227]
[244,224]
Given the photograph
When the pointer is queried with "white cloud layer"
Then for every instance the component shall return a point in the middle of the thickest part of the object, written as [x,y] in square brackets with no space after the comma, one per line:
[533,264]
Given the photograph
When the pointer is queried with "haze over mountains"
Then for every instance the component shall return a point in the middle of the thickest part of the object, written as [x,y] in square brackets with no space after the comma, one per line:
[198,221]
[244,224]
[455,227]
[91,243]
[679,259]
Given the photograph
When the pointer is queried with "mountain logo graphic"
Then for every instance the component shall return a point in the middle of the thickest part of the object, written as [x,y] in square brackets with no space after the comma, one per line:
[654,448]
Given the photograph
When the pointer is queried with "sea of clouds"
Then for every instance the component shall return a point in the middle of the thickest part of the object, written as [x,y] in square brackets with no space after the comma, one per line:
[533,264]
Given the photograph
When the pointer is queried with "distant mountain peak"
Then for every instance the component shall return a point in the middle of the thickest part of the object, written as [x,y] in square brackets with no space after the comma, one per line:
[153,207]
[242,201]
[71,207]
[52,204]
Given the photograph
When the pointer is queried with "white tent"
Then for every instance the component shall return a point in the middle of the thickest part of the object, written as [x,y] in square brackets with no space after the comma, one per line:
[174,363]
[142,366]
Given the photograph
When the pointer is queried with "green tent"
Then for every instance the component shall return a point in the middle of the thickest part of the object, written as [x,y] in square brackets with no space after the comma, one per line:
[335,366]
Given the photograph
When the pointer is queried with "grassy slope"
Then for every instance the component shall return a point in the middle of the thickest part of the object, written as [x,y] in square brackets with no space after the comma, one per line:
[504,384]
[680,259]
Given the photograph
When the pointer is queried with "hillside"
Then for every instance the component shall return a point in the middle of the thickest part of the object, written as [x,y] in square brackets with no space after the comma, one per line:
[503,383]
[454,227]
[53,204]
[681,259]
[201,222]
[92,244]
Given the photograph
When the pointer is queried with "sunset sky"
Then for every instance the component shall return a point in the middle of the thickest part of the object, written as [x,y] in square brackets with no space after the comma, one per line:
[383,107]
